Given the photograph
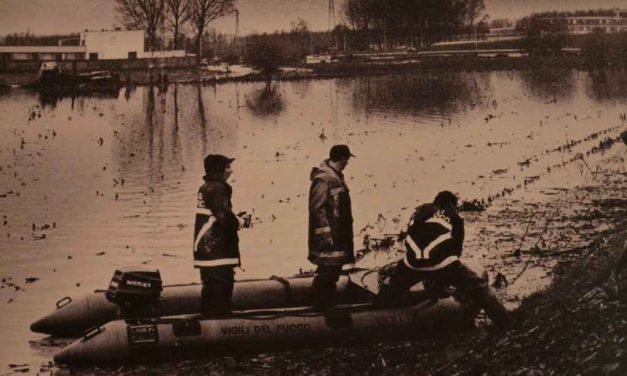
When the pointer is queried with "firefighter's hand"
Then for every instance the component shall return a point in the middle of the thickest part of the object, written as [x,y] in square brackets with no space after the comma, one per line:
[245,220]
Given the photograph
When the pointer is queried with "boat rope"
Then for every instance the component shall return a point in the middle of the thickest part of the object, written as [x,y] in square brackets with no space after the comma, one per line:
[375,269]
[289,298]
[303,312]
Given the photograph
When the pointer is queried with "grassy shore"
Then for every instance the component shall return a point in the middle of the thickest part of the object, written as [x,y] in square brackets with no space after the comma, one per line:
[576,327]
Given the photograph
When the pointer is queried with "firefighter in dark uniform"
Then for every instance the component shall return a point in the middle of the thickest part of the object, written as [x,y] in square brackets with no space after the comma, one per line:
[216,243]
[433,245]
[330,224]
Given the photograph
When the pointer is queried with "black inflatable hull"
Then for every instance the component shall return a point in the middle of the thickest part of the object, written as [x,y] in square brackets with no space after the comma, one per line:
[123,341]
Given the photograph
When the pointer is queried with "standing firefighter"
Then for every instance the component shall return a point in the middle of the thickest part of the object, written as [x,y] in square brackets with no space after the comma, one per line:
[330,224]
[216,243]
[433,244]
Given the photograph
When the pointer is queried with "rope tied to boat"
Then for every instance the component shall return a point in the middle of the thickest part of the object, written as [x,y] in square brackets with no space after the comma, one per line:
[289,297]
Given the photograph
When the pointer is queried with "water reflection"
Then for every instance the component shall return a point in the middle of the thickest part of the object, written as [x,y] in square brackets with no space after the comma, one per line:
[150,107]
[301,88]
[418,94]
[606,85]
[266,101]
[549,84]
[176,107]
[51,97]
[201,108]
[122,174]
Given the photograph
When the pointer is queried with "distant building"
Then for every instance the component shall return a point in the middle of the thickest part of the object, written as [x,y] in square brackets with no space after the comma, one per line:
[502,33]
[113,44]
[42,53]
[317,59]
[584,22]
[93,45]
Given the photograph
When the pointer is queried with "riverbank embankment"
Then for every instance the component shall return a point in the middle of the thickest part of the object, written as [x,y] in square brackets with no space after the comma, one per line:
[335,70]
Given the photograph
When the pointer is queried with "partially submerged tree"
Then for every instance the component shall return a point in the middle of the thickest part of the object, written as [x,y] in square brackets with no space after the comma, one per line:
[144,15]
[178,15]
[264,55]
[202,12]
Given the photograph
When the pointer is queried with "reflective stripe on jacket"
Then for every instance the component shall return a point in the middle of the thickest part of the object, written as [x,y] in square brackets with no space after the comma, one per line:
[216,242]
[330,218]
[434,238]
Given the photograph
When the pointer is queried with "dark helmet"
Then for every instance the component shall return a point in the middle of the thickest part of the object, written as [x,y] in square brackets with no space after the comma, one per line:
[339,152]
[216,163]
[445,198]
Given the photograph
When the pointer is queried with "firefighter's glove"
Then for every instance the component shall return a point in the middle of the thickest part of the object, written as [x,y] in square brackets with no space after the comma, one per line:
[245,220]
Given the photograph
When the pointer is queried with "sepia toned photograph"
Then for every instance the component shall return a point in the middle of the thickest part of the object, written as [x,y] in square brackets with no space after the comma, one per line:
[313,187]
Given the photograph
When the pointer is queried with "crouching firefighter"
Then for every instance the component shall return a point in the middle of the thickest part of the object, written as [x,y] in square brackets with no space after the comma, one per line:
[216,243]
[433,245]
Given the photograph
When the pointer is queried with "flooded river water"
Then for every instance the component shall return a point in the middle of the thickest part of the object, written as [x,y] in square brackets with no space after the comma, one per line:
[93,183]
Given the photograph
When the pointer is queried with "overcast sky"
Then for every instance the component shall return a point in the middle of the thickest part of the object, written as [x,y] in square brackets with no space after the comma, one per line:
[65,16]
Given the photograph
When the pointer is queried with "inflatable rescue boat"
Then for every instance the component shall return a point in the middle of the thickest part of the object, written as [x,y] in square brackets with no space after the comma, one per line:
[137,319]
[123,341]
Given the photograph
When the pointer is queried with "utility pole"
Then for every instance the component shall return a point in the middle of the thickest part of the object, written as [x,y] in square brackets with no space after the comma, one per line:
[161,62]
[235,40]
[236,23]
[331,15]
[332,21]
[163,28]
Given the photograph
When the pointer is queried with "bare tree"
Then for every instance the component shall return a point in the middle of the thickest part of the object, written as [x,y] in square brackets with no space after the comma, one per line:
[406,20]
[178,15]
[358,13]
[202,12]
[146,15]
[300,26]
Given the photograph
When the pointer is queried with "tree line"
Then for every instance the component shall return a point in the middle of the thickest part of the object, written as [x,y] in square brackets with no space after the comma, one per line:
[413,22]
[382,22]
[153,16]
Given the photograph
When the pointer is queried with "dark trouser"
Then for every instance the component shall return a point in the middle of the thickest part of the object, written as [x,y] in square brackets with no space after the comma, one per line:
[323,285]
[458,275]
[217,290]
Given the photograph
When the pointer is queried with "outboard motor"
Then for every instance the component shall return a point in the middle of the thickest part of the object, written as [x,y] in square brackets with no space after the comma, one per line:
[136,292]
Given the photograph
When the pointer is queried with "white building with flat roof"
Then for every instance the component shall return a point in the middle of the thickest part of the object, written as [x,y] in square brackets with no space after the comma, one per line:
[93,45]
[113,44]
[607,21]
